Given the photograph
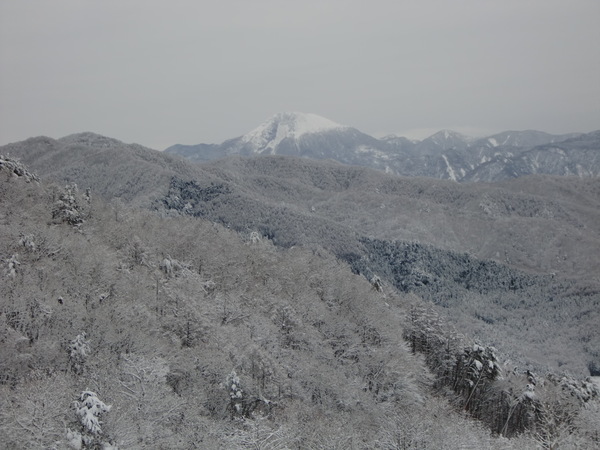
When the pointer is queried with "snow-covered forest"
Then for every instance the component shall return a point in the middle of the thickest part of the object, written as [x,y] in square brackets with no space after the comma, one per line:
[127,327]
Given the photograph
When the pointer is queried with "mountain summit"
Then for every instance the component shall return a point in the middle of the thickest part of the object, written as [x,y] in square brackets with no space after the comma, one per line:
[302,135]
[286,125]
[307,136]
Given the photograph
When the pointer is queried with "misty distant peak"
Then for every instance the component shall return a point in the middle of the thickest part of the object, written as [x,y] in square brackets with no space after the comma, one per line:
[286,125]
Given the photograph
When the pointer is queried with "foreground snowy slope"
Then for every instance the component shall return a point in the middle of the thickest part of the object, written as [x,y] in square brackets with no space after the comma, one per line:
[124,329]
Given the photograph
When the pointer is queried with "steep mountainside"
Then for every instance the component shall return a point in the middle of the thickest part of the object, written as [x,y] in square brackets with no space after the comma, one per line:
[577,156]
[444,155]
[267,137]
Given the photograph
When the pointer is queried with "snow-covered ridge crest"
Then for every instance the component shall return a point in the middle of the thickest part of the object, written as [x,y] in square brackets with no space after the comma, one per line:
[285,125]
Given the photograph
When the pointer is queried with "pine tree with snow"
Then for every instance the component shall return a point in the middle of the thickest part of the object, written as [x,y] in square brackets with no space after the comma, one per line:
[88,409]
[12,265]
[482,368]
[79,349]
[236,394]
[68,208]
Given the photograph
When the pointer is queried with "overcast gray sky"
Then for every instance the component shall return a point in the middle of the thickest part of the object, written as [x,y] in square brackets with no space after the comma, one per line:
[162,72]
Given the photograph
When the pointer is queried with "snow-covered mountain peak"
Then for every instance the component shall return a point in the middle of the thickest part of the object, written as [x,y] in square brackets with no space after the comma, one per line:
[287,125]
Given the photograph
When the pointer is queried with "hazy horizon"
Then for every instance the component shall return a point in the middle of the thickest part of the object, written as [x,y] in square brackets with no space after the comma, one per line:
[190,72]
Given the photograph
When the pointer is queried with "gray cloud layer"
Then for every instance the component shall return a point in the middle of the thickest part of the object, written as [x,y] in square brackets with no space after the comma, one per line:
[160,73]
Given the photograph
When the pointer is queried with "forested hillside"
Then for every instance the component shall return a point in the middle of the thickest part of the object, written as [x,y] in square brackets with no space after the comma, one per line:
[222,317]
[513,265]
[547,229]
[122,328]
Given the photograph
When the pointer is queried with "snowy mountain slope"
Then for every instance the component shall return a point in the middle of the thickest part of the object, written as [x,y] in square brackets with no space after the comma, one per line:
[282,131]
[577,156]
[287,125]
[452,156]
[312,136]
[304,135]
[441,141]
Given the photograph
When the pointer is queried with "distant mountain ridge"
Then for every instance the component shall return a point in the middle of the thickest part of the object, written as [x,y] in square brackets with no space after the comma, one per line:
[443,155]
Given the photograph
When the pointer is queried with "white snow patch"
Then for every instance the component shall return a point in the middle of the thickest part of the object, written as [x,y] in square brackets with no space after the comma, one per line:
[493,141]
[372,151]
[449,169]
[529,393]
